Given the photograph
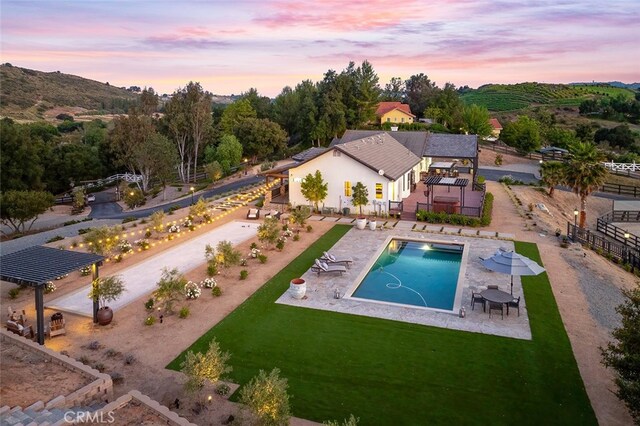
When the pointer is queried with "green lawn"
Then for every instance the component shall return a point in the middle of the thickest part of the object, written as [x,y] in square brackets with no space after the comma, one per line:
[392,373]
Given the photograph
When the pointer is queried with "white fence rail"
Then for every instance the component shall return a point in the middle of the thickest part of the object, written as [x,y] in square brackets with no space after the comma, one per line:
[632,167]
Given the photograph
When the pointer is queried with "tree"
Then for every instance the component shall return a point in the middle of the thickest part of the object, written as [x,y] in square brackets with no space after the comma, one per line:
[451,106]
[420,93]
[21,165]
[199,209]
[148,101]
[156,219]
[314,188]
[619,136]
[163,158]
[475,120]
[229,152]
[17,208]
[560,138]
[169,288]
[368,94]
[552,175]
[176,121]
[199,118]
[208,367]
[129,136]
[261,138]
[213,170]
[269,231]
[299,216]
[227,255]
[266,398]
[102,240]
[235,113]
[522,134]
[394,90]
[106,290]
[260,104]
[360,196]
[584,173]
[622,355]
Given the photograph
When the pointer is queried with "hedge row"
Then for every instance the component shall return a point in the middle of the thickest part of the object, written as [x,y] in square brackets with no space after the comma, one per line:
[459,219]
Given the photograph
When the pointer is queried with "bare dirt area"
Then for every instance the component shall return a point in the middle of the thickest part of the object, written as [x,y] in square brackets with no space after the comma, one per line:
[29,377]
[568,270]
[139,352]
[487,157]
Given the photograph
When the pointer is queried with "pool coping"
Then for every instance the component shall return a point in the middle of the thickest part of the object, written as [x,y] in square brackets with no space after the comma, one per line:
[457,298]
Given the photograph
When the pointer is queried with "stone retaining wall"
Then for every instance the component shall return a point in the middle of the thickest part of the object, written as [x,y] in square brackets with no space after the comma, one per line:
[161,411]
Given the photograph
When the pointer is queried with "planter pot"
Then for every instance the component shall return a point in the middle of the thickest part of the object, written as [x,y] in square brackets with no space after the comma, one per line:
[361,223]
[297,288]
[105,315]
[372,225]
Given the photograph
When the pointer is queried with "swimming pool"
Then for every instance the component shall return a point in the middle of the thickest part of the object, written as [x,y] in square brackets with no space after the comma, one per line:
[417,273]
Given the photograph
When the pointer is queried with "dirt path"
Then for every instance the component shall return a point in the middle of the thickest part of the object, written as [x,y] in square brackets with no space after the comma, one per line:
[585,334]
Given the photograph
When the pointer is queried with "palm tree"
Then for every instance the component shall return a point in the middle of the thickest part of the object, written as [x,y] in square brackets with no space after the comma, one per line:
[552,175]
[584,173]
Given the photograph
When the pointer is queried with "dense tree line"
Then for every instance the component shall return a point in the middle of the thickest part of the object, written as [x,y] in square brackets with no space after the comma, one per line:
[618,108]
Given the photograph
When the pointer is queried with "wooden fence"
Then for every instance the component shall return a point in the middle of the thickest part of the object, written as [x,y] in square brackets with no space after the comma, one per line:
[621,252]
[614,188]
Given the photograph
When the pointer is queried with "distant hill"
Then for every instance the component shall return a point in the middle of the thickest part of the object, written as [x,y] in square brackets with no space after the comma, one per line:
[28,94]
[511,97]
[632,86]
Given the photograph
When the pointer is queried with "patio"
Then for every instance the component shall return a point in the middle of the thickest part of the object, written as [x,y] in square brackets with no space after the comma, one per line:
[362,247]
[470,205]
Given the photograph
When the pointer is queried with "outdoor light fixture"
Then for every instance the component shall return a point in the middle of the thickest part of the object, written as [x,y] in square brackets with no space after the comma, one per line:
[192,189]
[209,399]
[626,235]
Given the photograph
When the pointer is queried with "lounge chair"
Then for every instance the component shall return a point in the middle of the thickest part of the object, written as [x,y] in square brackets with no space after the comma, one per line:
[320,267]
[19,329]
[273,213]
[330,258]
[253,214]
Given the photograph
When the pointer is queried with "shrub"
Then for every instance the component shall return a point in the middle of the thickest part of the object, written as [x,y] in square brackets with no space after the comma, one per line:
[253,246]
[150,320]
[228,255]
[94,345]
[14,292]
[270,391]
[244,274]
[129,219]
[86,270]
[223,389]
[351,421]
[111,353]
[296,237]
[184,312]
[149,304]
[212,269]
[280,244]
[53,239]
[216,291]
[49,287]
[129,359]
[192,290]
[262,258]
[487,210]
[309,228]
[498,160]
[205,367]
[480,179]
[269,231]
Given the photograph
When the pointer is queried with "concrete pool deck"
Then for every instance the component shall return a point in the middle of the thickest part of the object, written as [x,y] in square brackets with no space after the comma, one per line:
[141,278]
[362,245]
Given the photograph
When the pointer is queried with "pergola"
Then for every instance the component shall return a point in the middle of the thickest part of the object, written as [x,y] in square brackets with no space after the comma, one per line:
[35,266]
[432,181]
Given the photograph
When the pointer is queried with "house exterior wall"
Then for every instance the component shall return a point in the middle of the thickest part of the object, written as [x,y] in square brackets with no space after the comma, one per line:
[336,170]
[396,116]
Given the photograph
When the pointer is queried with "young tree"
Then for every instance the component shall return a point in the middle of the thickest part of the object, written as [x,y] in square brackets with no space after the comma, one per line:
[102,240]
[107,289]
[522,134]
[299,216]
[368,93]
[269,231]
[622,355]
[170,288]
[552,175]
[360,194]
[266,398]
[17,208]
[584,173]
[199,209]
[228,256]
[314,188]
[476,120]
[260,137]
[351,421]
[202,368]
[213,170]
[156,219]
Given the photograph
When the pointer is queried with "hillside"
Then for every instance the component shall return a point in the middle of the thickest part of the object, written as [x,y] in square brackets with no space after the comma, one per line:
[28,94]
[510,97]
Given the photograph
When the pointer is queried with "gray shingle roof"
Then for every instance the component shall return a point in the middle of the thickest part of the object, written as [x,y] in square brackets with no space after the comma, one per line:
[380,151]
[451,146]
[423,143]
[308,154]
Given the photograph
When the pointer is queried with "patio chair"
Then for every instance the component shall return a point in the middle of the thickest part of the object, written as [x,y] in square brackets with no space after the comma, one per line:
[19,329]
[273,213]
[330,258]
[494,306]
[320,267]
[493,287]
[477,298]
[515,303]
[253,214]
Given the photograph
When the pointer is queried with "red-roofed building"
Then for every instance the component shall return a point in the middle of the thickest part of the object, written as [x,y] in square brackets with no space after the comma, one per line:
[496,127]
[394,112]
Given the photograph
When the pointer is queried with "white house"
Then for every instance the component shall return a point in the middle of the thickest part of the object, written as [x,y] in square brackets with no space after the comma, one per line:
[385,166]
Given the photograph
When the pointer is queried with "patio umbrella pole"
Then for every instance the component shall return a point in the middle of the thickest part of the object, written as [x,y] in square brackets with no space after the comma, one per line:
[512,285]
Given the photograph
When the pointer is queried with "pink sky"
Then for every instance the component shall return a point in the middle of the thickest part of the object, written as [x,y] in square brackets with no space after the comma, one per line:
[231,46]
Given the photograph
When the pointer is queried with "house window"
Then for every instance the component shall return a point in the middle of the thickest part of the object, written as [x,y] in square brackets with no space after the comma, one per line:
[388,119]
[336,153]
[347,188]
[402,119]
[378,191]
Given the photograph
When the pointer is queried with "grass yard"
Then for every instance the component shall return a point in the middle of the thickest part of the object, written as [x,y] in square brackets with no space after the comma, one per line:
[392,373]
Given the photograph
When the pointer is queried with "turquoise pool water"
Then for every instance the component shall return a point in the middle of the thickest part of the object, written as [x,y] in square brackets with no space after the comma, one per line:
[414,273]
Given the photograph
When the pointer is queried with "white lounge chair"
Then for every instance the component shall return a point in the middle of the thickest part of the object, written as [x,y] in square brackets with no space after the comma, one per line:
[330,258]
[320,267]
[253,214]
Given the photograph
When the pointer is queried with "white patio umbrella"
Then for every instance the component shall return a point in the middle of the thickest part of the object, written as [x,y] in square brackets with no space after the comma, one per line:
[508,262]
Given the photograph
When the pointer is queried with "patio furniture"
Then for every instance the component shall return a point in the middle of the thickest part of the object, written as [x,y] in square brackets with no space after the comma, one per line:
[57,325]
[330,258]
[273,213]
[496,297]
[446,204]
[477,298]
[253,214]
[508,262]
[493,306]
[321,268]
[515,303]
[20,330]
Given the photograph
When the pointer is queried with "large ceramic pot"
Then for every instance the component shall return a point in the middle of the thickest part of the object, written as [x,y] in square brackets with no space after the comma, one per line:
[361,223]
[372,225]
[105,315]
[297,288]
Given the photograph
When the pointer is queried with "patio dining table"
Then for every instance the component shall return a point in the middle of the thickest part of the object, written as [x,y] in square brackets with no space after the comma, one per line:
[497,296]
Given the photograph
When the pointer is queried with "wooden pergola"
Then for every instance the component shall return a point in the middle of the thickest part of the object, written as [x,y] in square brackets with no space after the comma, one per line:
[35,266]
[432,181]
